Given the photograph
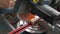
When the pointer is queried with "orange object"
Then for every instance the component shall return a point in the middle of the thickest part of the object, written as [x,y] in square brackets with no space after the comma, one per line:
[26,17]
[30,16]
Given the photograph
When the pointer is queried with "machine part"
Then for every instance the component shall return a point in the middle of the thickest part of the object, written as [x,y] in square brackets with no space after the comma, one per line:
[58,26]
[30,18]
[8,23]
[57,22]
[49,13]
[35,1]
[48,10]
[38,28]
[30,29]
[39,2]
[45,10]
[35,28]
[12,18]
[42,15]
[45,13]
[48,2]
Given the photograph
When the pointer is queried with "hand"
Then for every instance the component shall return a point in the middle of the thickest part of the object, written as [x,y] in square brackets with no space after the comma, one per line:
[6,3]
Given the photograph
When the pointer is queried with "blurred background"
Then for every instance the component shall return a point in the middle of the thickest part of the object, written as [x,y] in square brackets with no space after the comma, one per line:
[9,20]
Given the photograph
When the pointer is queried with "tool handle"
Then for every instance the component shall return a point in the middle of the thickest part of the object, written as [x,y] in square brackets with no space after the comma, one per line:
[20,29]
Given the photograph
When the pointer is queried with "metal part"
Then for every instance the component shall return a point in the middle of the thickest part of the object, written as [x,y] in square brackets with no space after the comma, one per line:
[48,10]
[8,23]
[39,27]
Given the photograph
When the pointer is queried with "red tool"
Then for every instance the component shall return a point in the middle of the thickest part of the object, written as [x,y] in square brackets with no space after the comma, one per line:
[20,29]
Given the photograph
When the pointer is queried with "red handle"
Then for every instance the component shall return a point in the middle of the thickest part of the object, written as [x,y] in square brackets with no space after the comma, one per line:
[20,29]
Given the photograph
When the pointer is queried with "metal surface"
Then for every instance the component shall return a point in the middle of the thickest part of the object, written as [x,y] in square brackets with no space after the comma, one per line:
[48,10]
[4,27]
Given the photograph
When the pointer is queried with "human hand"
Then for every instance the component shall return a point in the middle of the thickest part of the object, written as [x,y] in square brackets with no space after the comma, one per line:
[6,3]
